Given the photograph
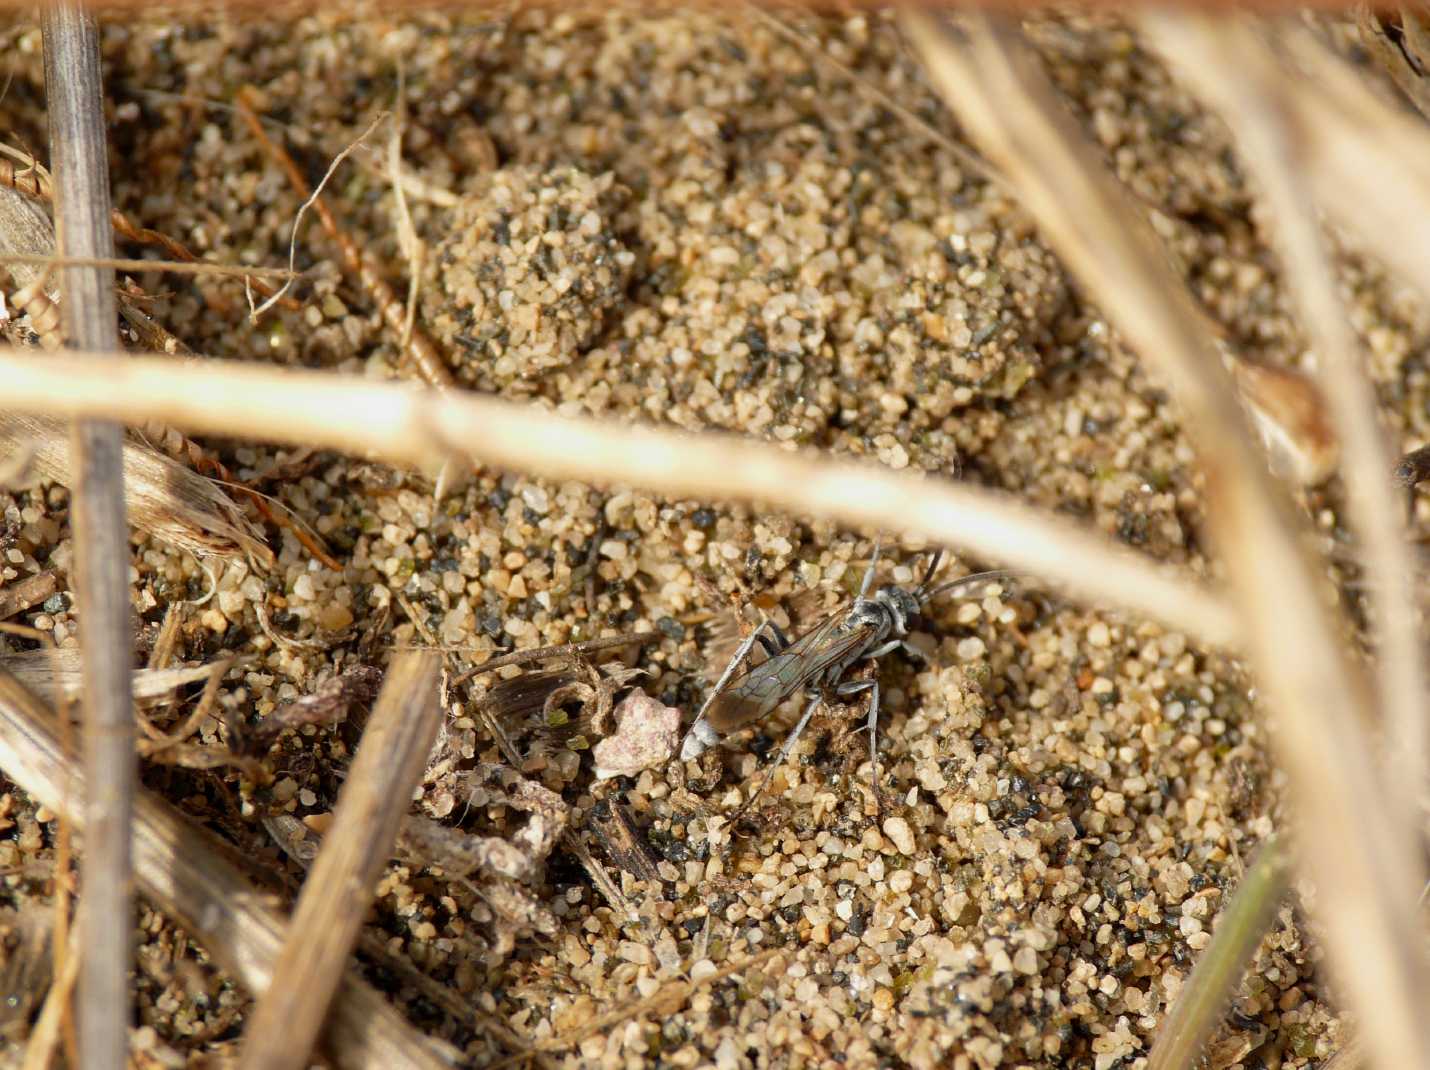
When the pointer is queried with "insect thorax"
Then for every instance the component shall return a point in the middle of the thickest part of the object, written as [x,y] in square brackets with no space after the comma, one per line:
[901,607]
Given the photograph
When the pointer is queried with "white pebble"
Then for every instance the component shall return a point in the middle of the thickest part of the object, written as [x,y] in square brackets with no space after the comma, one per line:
[897,829]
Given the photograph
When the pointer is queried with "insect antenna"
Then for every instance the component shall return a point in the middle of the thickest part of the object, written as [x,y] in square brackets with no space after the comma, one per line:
[869,572]
[921,591]
[973,579]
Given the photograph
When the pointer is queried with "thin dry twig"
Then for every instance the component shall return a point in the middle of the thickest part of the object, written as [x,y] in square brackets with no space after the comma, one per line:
[1364,856]
[178,866]
[412,427]
[1224,62]
[283,1026]
[54,674]
[79,155]
[161,497]
[1239,930]
[419,348]
[45,1037]
[32,180]
[303,210]
[176,267]
[529,654]
[20,595]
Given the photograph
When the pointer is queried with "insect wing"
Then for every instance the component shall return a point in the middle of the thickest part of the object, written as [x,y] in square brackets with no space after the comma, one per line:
[758,690]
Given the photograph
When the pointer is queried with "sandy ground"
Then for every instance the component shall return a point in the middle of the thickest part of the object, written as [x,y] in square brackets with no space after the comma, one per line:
[695,221]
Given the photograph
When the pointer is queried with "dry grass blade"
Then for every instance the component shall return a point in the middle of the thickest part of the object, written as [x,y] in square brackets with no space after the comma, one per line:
[45,1037]
[178,867]
[55,673]
[1363,854]
[173,267]
[164,498]
[283,1026]
[74,93]
[1238,932]
[1396,40]
[412,427]
[1225,62]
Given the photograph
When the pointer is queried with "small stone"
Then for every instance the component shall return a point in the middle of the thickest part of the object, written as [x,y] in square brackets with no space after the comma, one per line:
[897,829]
[645,736]
[335,617]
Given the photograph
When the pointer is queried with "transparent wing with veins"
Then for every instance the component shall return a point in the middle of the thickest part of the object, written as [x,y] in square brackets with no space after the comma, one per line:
[756,691]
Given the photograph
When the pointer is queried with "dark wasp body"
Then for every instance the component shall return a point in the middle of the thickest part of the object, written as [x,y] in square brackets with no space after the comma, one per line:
[817,662]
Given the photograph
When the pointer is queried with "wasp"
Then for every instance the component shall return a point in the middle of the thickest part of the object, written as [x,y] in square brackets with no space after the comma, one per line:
[817,661]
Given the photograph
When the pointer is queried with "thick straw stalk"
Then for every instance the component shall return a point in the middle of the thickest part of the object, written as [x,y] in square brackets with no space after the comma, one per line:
[339,890]
[79,157]
[423,428]
[1237,74]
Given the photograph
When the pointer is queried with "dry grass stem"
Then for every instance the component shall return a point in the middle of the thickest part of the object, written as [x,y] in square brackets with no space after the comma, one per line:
[1397,41]
[1224,62]
[79,157]
[411,427]
[46,1034]
[1204,996]
[303,210]
[527,655]
[1363,854]
[188,877]
[33,181]
[283,1027]
[162,497]
[1367,161]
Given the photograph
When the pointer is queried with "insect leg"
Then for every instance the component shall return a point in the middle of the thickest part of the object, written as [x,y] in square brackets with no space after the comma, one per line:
[797,731]
[701,735]
[911,651]
[788,746]
[853,687]
[774,639]
[887,648]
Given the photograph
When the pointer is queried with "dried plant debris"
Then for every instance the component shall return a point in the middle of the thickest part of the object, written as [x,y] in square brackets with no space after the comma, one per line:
[1290,413]
[54,674]
[553,716]
[162,497]
[1399,39]
[623,841]
[504,871]
[20,595]
[330,702]
[531,270]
